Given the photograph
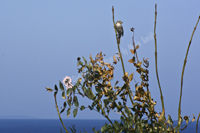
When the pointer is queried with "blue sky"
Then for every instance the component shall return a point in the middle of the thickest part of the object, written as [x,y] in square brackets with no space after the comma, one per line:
[41,40]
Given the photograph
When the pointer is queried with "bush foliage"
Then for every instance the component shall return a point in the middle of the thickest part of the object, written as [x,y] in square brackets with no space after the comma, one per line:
[95,85]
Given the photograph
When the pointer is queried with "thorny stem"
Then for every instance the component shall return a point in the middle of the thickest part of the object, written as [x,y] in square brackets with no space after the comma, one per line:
[59,113]
[118,42]
[184,64]
[161,96]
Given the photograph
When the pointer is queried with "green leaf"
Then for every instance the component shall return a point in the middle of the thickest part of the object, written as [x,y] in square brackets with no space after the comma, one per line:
[82,108]
[75,112]
[110,92]
[68,112]
[120,107]
[122,119]
[90,107]
[61,86]
[104,128]
[98,108]
[56,88]
[69,101]
[127,111]
[63,95]
[135,104]
[95,130]
[94,103]
[73,129]
[84,60]
[76,101]
[177,128]
[84,88]
[89,93]
[62,110]
[107,101]
[64,104]
[80,63]
[116,124]
[69,91]
[49,89]
[131,122]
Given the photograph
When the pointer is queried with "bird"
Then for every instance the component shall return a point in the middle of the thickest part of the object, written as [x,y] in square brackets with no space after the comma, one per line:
[119,29]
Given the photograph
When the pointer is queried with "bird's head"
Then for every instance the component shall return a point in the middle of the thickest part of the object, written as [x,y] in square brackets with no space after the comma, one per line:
[119,22]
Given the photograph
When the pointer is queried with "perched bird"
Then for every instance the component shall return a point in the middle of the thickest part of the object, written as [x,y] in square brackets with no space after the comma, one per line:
[119,28]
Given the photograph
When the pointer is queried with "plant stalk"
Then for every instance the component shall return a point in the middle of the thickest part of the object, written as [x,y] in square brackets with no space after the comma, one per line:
[59,113]
[161,96]
[118,42]
[183,70]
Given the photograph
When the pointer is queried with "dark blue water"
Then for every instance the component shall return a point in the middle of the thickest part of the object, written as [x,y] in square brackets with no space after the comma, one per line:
[54,126]
[47,126]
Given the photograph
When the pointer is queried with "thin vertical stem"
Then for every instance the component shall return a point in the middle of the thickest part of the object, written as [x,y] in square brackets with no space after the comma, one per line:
[184,64]
[118,42]
[161,96]
[59,113]
[121,59]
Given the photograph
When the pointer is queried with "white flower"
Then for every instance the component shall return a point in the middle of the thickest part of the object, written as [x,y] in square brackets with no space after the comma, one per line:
[67,81]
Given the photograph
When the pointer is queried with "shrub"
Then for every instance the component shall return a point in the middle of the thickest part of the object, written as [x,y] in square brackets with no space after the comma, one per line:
[95,85]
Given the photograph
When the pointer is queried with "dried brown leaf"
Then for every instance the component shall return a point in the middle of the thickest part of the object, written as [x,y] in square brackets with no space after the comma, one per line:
[130,77]
[193,118]
[114,58]
[137,46]
[132,60]
[132,51]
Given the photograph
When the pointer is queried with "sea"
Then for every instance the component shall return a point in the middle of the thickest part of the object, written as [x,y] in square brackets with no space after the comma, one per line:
[55,126]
